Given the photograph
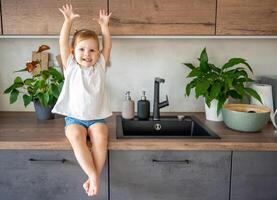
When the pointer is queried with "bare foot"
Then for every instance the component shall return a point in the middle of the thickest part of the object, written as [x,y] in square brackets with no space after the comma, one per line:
[93,186]
[86,186]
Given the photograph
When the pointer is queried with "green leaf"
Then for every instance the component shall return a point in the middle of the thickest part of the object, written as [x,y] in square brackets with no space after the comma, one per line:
[208,100]
[241,80]
[229,81]
[204,67]
[201,87]
[215,90]
[40,98]
[31,90]
[56,74]
[221,102]
[18,80]
[52,100]
[234,94]
[37,84]
[14,95]
[211,76]
[60,86]
[219,107]
[253,93]
[28,81]
[214,68]
[9,89]
[189,65]
[234,61]
[248,66]
[189,87]
[240,89]
[27,100]
[195,73]
[45,99]
[241,73]
[239,68]
[55,90]
[229,74]
[45,75]
[41,83]
[250,80]
[12,87]
[204,56]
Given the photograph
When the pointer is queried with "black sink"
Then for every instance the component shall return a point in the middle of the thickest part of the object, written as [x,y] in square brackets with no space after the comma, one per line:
[166,127]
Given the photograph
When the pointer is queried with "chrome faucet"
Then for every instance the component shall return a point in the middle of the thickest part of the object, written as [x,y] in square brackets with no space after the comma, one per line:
[157,105]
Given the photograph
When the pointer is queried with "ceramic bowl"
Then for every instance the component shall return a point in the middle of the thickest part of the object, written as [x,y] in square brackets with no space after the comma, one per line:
[245,117]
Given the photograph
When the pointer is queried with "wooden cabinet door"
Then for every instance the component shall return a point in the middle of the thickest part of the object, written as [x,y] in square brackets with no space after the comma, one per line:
[254,176]
[162,17]
[174,175]
[44,175]
[40,17]
[246,17]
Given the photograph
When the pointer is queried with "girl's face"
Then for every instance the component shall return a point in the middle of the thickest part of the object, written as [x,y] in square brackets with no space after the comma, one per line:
[86,52]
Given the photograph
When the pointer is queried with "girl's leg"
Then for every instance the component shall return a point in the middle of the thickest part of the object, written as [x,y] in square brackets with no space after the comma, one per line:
[76,134]
[99,139]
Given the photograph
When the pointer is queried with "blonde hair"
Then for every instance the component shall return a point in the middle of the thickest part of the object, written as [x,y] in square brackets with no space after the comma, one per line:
[83,34]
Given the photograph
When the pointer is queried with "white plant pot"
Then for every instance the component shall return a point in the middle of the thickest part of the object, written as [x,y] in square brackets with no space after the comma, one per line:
[211,112]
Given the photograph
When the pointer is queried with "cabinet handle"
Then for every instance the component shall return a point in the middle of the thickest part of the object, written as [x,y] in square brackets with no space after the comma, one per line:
[46,161]
[186,161]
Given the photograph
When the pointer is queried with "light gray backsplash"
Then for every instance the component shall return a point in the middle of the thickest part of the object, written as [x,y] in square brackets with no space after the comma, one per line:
[136,61]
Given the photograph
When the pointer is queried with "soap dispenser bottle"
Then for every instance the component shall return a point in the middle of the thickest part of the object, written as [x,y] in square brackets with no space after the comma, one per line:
[143,108]
[128,107]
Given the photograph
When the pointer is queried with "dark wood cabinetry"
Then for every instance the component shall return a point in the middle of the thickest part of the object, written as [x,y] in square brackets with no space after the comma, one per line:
[254,176]
[247,17]
[44,175]
[174,175]
[151,17]
[143,174]
[41,17]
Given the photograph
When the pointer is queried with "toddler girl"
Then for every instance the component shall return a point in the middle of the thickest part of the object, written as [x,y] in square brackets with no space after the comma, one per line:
[83,99]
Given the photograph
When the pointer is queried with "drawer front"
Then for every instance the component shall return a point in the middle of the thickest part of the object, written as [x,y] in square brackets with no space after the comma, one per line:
[171,175]
[53,175]
[254,176]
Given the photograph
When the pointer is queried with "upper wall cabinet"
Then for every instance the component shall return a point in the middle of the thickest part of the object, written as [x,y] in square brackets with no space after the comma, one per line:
[40,17]
[162,17]
[246,17]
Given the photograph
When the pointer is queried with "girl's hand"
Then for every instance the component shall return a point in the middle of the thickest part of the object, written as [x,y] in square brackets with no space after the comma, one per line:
[68,13]
[104,18]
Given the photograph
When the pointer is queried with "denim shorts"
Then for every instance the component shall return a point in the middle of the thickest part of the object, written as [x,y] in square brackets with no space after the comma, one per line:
[84,123]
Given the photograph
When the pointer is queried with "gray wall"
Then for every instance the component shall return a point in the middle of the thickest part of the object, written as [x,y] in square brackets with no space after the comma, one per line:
[136,61]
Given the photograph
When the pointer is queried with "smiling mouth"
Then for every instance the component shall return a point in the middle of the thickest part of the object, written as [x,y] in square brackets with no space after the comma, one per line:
[87,59]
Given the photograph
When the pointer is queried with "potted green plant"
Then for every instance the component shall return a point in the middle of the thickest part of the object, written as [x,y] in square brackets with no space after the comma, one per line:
[42,88]
[217,84]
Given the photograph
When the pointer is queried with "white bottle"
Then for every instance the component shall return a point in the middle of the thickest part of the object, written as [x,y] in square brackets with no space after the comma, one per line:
[128,107]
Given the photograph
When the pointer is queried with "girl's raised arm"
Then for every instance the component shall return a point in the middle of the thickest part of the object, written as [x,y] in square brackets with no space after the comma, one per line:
[103,21]
[69,16]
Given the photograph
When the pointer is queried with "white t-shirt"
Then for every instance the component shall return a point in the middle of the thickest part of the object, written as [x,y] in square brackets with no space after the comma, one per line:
[84,95]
